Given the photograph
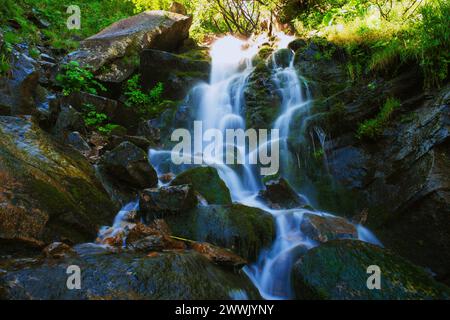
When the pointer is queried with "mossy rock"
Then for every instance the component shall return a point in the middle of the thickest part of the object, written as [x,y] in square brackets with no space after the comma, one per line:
[261,99]
[338,270]
[49,192]
[245,230]
[282,58]
[108,276]
[207,182]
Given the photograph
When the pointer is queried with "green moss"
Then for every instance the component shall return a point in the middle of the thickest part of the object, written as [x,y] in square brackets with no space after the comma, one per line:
[338,270]
[243,229]
[373,128]
[206,181]
[262,102]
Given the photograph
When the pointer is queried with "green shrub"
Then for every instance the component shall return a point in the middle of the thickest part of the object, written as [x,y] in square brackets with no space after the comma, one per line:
[5,58]
[373,128]
[74,78]
[147,105]
[96,120]
[107,128]
[434,43]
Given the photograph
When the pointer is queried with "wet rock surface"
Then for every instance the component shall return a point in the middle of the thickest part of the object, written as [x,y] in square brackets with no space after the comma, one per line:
[244,230]
[326,228]
[400,177]
[338,270]
[48,191]
[111,276]
[279,195]
[178,73]
[166,200]
[206,181]
[129,164]
[19,92]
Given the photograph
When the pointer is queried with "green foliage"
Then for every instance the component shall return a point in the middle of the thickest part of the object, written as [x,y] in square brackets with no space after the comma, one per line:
[434,42]
[373,128]
[319,154]
[96,120]
[74,78]
[96,15]
[5,57]
[381,35]
[107,128]
[147,105]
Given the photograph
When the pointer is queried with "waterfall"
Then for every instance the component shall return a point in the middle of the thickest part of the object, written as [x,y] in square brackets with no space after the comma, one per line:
[220,105]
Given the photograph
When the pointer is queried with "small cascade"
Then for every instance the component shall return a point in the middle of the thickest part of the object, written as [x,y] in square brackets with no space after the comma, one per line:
[220,105]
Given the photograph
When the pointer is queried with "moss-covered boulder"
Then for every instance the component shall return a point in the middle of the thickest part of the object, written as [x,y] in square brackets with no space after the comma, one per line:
[338,270]
[114,52]
[107,276]
[261,100]
[48,192]
[245,230]
[281,58]
[207,182]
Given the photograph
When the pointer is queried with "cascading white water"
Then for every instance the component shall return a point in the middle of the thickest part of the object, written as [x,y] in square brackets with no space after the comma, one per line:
[220,105]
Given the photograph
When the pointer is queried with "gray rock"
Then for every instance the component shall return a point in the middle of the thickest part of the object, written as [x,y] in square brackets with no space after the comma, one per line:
[118,46]
[178,73]
[279,194]
[338,270]
[244,230]
[76,140]
[156,202]
[68,120]
[129,164]
[185,275]
[326,228]
[48,191]
[18,93]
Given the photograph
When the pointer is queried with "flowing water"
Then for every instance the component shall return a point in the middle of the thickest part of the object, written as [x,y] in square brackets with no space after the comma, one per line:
[220,104]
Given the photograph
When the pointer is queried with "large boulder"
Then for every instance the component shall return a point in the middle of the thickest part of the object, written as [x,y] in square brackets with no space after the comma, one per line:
[245,230]
[48,192]
[129,164]
[207,182]
[178,73]
[105,275]
[279,194]
[68,120]
[19,92]
[322,228]
[338,270]
[158,202]
[117,47]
